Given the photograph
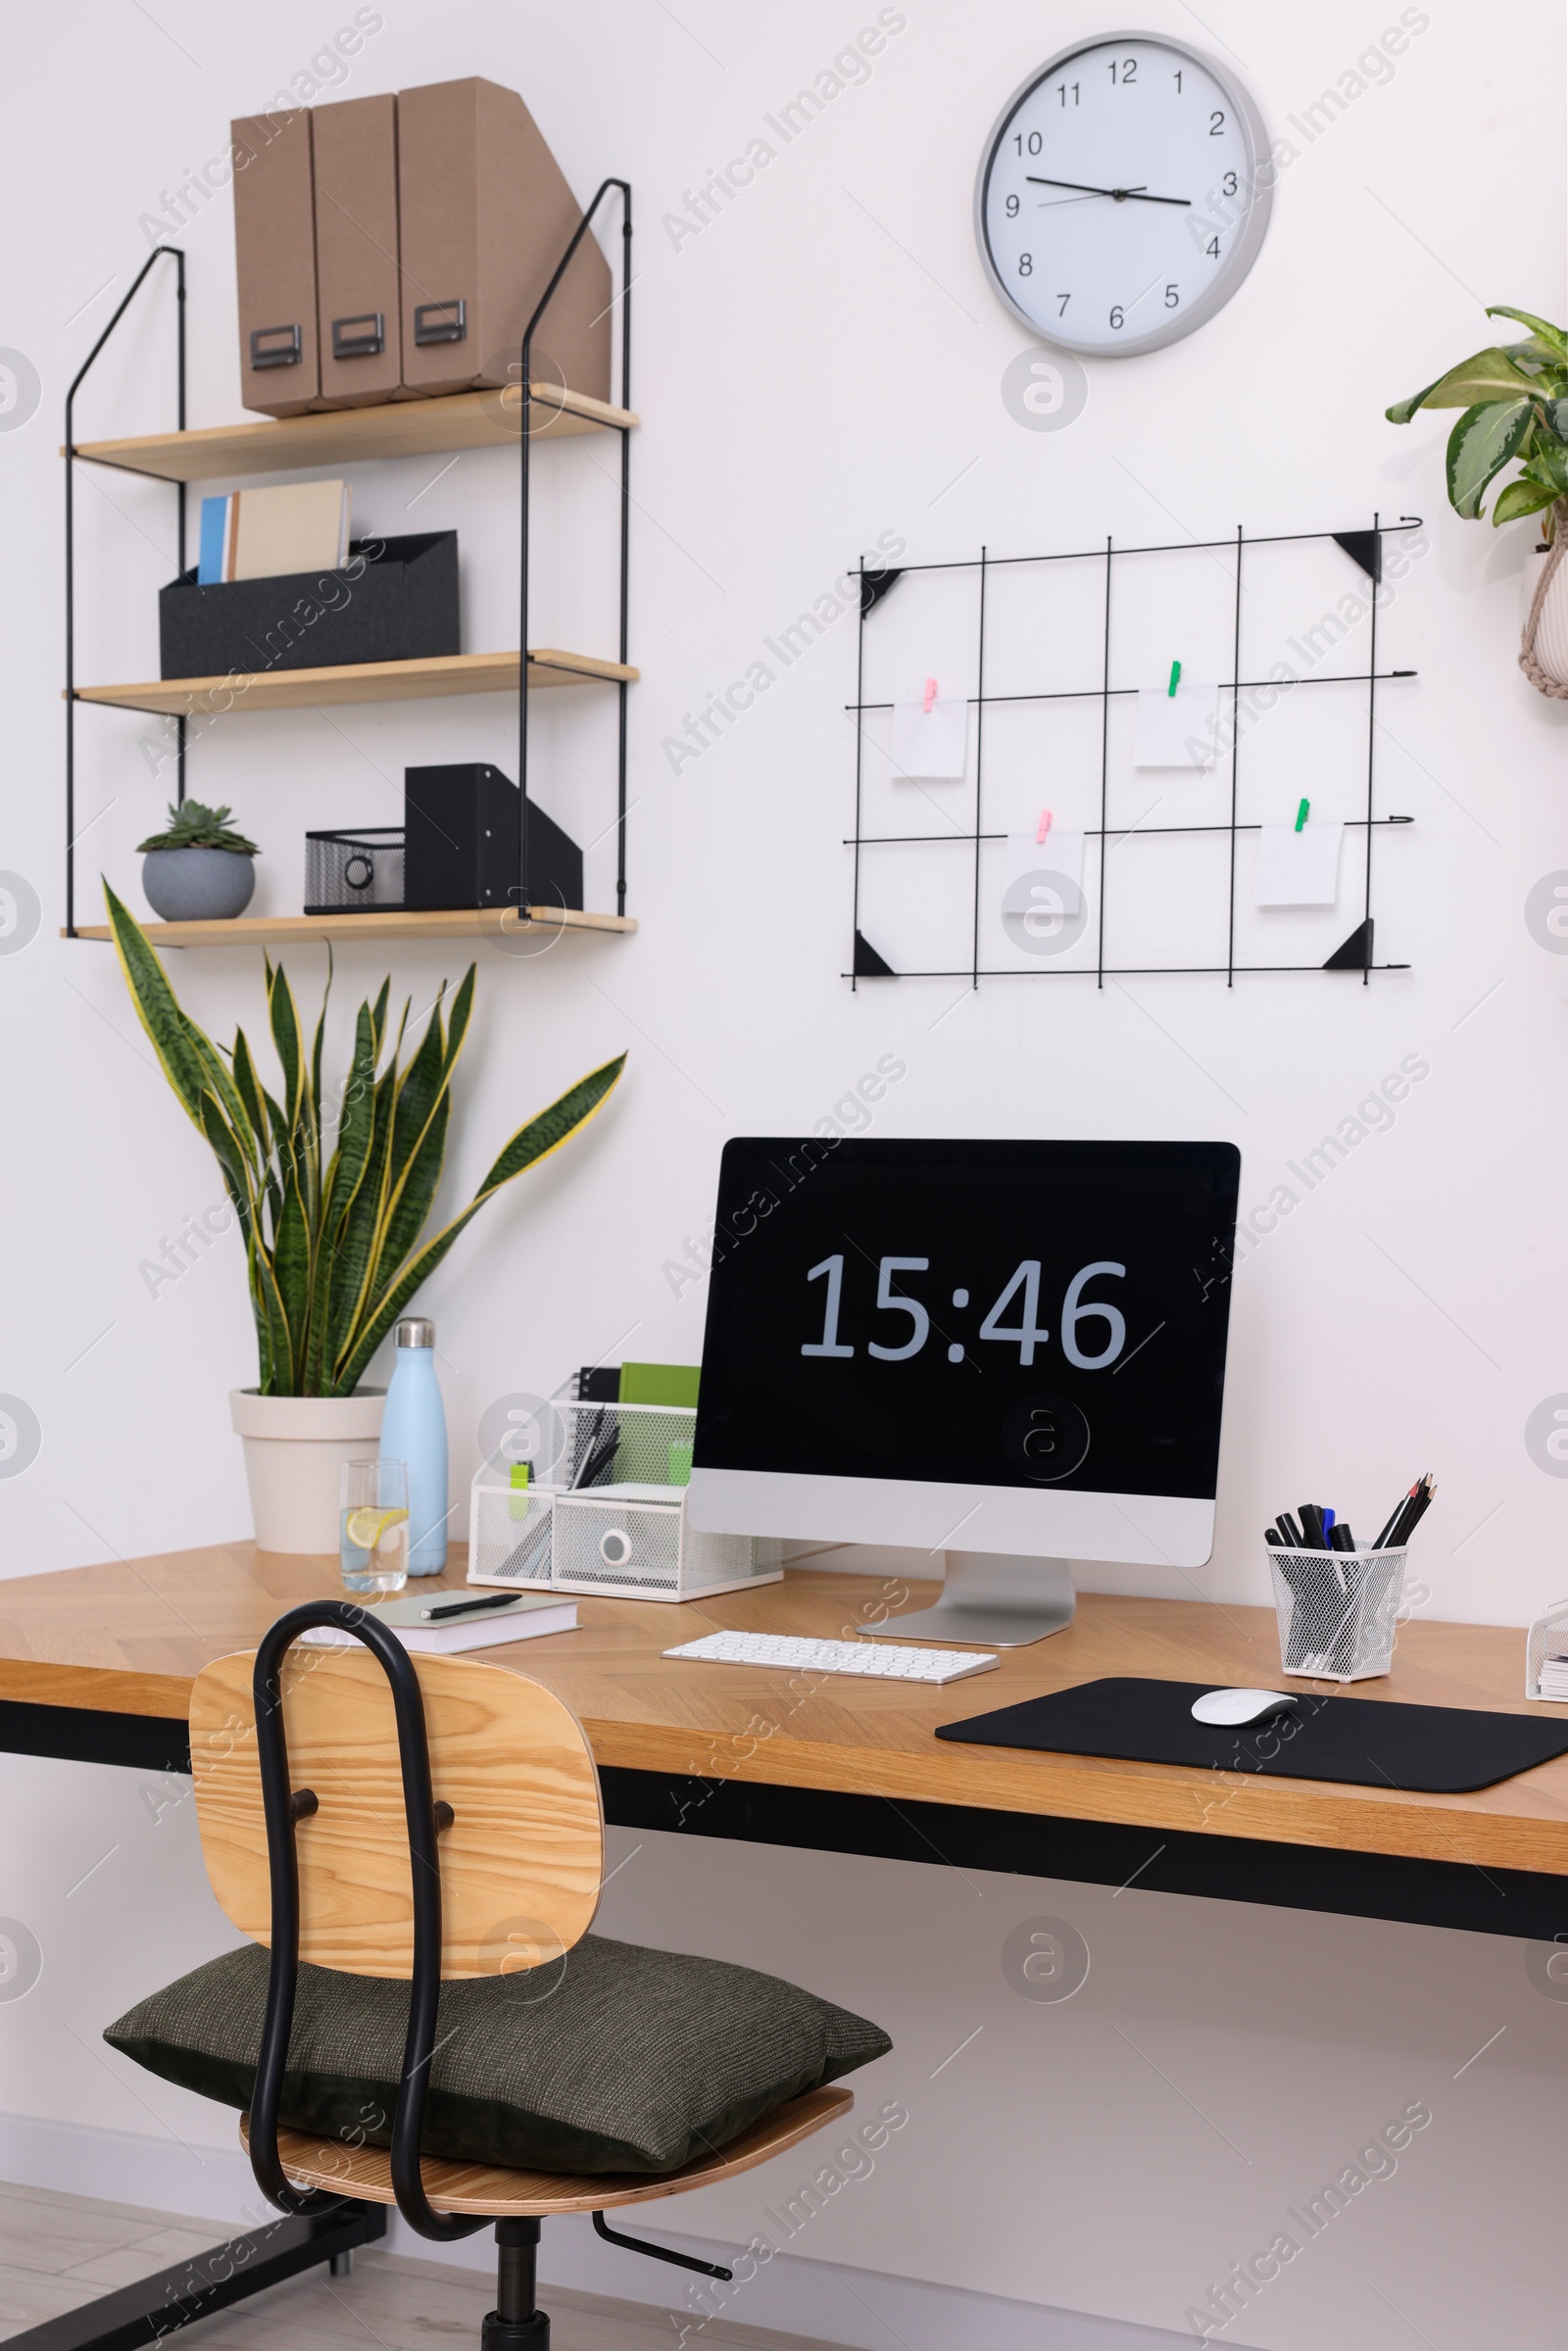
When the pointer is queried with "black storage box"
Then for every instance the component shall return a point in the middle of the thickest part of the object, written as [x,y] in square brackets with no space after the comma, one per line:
[395,600]
[461,843]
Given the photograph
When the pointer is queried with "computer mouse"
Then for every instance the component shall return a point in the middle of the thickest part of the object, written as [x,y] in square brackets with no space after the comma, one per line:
[1234,1707]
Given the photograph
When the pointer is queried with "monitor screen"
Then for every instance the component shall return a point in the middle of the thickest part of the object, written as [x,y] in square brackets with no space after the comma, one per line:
[1040,1317]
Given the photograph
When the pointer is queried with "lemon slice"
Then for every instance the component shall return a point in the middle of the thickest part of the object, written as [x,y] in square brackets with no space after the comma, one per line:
[365,1528]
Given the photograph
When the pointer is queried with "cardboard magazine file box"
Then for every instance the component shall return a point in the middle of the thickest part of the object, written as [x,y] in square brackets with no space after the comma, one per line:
[358,301]
[395,600]
[274,260]
[485,214]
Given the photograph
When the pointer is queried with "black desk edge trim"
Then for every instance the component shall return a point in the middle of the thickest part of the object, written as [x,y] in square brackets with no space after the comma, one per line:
[1529,1904]
[147,1743]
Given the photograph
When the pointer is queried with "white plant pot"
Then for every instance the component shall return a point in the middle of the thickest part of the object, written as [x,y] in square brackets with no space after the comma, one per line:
[295,1448]
[1551,629]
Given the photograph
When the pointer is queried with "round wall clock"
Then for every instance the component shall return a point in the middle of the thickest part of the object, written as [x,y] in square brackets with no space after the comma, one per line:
[1121,199]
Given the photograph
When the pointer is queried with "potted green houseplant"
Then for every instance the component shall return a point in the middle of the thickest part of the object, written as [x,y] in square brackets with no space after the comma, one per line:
[196,869]
[1514,399]
[331,1190]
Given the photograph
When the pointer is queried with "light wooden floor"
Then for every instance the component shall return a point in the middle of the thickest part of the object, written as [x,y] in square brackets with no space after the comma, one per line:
[58,2252]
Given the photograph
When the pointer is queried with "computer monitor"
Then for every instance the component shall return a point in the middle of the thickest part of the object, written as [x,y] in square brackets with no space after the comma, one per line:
[1010,1352]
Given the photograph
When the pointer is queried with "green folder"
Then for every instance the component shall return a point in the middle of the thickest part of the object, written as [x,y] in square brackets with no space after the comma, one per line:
[659,1384]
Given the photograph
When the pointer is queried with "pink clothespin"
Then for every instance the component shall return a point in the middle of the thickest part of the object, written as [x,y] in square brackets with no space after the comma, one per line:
[930,695]
[1043,825]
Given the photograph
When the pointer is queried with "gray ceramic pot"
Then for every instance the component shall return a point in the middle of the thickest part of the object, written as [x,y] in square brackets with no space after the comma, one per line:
[198,885]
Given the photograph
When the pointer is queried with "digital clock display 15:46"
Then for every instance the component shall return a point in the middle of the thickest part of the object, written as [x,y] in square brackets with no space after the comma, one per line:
[1000,1313]
[1021,1295]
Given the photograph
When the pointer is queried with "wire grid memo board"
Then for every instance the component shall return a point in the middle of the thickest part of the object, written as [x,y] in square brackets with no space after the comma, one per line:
[1048,655]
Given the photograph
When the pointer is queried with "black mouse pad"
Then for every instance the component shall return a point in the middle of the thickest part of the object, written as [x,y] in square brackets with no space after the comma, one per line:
[1432,1750]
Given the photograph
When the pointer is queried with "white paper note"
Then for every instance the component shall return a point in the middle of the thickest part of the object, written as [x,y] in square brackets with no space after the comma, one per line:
[1040,873]
[932,745]
[1298,868]
[1177,730]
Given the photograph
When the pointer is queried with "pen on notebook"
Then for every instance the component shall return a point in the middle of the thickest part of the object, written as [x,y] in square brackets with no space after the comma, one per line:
[496,1599]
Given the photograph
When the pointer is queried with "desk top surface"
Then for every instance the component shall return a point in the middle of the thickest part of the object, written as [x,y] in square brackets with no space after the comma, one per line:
[128,1636]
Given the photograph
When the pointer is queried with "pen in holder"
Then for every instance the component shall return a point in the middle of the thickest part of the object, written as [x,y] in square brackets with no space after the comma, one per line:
[1338,1611]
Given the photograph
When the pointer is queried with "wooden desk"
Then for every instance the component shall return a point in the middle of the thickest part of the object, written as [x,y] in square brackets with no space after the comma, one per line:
[97,1663]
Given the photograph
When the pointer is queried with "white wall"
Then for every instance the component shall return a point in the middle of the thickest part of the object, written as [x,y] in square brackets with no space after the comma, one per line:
[821,365]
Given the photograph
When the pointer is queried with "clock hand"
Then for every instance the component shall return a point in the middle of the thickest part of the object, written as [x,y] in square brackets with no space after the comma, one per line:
[1137,195]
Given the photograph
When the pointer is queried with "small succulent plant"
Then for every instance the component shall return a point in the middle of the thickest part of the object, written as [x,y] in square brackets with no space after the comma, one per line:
[193,826]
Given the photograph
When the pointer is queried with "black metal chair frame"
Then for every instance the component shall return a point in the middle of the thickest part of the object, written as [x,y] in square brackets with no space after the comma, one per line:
[515,2324]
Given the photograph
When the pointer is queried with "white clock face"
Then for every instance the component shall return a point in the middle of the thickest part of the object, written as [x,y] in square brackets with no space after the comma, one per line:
[1118,203]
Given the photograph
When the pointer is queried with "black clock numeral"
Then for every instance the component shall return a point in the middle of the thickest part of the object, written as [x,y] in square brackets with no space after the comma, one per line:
[1128,72]
[1213,249]
[1012,208]
[1026,265]
[1063,300]
[1178,86]
[1116,316]
[1035,141]
[1216,124]
[1228,184]
[1062,87]
[1172,298]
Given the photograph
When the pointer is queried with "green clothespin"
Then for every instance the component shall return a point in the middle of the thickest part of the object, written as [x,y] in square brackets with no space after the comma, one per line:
[1301,813]
[1175,679]
[518,1483]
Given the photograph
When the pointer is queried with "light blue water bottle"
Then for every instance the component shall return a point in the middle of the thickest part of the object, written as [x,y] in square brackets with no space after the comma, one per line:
[413,1429]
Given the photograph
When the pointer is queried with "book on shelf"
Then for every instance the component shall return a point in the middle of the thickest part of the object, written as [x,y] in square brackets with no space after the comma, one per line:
[260,534]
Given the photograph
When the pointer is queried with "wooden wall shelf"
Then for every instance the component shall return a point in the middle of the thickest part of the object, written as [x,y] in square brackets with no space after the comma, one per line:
[329,438]
[360,681]
[461,420]
[284,930]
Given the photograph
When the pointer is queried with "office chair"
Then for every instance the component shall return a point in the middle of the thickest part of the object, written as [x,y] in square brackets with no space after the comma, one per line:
[453,1836]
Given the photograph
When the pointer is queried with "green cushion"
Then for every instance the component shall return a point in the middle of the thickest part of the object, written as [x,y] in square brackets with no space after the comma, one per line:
[614,2059]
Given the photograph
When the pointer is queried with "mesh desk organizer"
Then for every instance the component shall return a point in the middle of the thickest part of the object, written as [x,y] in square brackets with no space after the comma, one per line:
[599,1506]
[925,902]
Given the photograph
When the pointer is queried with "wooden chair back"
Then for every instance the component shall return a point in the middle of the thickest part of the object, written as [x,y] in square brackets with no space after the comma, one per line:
[521,1860]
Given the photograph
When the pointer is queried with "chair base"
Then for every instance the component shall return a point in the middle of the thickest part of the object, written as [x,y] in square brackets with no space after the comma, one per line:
[515,2334]
[515,2324]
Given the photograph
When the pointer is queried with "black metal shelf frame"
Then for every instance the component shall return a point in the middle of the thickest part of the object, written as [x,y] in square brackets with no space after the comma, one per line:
[528,401]
[1363,547]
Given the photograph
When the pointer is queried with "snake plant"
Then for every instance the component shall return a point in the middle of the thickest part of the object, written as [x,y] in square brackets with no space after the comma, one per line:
[1515,402]
[332,1228]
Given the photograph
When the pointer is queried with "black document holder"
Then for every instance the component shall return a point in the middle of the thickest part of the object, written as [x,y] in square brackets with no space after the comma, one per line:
[1428,1750]
[397,602]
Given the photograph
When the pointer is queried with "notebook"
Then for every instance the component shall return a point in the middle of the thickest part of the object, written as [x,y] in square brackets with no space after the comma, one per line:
[257,534]
[527,1616]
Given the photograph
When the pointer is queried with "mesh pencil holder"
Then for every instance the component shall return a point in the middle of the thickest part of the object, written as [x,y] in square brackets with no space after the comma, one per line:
[1548,1643]
[1338,1611]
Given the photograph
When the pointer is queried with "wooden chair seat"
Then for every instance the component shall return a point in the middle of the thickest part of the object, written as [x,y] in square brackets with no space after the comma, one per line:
[366,2172]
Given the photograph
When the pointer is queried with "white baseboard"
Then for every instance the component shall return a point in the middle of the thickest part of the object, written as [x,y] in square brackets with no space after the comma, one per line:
[862,2310]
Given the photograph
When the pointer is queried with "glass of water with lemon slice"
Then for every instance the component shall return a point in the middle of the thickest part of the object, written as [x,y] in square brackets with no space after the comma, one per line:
[374,1526]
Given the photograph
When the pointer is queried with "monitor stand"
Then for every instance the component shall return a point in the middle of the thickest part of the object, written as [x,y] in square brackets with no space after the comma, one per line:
[996,1599]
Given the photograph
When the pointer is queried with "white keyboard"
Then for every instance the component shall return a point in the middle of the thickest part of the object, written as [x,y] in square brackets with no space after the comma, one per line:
[877,1660]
